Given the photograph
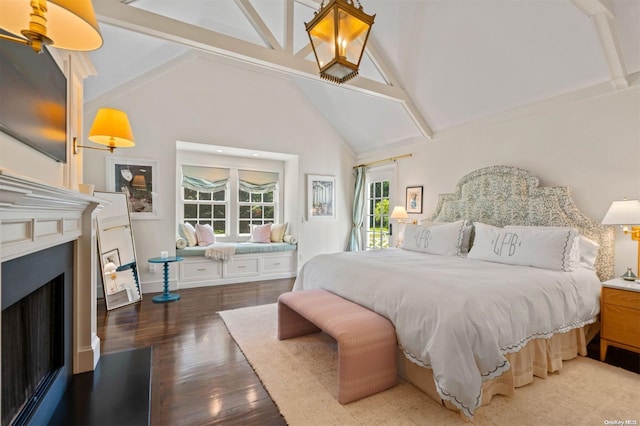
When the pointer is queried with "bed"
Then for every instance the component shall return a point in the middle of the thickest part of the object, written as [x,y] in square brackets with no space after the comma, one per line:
[469,328]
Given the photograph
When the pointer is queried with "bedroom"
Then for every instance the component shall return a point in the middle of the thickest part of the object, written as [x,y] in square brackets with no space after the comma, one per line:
[558,116]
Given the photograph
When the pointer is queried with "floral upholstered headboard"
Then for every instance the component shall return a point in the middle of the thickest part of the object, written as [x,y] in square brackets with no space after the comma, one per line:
[503,195]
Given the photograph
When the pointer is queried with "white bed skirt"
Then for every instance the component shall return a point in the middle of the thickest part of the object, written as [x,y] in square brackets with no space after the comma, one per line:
[538,358]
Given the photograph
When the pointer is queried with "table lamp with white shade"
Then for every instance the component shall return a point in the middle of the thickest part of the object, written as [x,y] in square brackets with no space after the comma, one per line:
[399,213]
[627,214]
[110,272]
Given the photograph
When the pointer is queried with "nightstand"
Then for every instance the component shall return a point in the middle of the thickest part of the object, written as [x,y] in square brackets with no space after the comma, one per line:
[620,316]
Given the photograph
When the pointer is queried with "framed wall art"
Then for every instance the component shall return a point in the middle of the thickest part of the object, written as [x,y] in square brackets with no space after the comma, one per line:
[414,199]
[112,256]
[321,197]
[139,179]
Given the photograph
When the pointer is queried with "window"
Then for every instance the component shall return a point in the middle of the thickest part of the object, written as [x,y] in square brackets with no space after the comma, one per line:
[378,198]
[206,208]
[230,200]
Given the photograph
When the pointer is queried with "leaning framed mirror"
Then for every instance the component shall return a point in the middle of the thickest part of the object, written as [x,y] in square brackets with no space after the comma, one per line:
[116,251]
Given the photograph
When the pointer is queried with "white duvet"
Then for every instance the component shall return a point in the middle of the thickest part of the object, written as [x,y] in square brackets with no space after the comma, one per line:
[455,315]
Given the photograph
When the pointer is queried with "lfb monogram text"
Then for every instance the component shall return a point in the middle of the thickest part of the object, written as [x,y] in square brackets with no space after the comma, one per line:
[422,238]
[506,244]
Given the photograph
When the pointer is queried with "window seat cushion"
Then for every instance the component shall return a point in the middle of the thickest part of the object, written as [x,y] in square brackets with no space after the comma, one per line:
[241,248]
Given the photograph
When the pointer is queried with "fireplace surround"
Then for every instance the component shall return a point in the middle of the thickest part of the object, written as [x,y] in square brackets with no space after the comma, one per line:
[36,217]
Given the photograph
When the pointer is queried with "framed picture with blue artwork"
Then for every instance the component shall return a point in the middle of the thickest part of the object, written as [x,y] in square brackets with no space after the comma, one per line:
[321,197]
[414,199]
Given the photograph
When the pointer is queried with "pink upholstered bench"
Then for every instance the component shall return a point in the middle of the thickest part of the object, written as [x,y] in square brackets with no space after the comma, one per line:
[366,340]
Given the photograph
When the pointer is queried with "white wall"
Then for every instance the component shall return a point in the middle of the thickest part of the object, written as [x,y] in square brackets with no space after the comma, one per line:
[592,146]
[211,102]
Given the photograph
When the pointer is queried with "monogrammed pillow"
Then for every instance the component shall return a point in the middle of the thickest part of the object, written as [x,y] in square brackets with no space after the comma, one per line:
[443,238]
[546,248]
[575,249]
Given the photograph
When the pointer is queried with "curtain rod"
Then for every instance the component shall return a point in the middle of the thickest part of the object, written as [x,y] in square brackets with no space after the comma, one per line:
[382,161]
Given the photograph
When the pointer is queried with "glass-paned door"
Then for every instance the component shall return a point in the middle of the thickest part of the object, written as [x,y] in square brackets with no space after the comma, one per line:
[379,184]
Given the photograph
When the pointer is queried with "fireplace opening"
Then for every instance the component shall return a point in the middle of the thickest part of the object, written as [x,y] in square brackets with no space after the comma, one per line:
[32,350]
[37,333]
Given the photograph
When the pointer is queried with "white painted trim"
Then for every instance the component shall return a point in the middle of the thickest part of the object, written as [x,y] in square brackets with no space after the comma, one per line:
[35,216]
[87,358]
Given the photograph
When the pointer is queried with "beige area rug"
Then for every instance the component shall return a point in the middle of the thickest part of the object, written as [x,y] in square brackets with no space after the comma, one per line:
[300,374]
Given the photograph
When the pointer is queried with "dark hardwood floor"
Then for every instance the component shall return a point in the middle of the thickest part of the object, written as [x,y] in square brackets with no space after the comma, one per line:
[199,374]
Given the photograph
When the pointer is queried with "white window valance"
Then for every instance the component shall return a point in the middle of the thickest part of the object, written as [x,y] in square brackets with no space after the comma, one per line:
[257,182]
[205,179]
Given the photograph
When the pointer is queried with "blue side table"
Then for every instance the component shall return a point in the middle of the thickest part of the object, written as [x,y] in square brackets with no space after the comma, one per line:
[166,296]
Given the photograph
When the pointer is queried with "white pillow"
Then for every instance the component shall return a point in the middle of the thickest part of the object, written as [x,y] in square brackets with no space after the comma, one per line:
[205,235]
[180,242]
[466,236]
[277,232]
[588,252]
[261,234]
[444,239]
[540,247]
[575,249]
[188,232]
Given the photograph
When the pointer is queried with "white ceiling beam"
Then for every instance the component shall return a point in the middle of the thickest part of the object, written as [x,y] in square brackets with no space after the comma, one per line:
[115,13]
[601,14]
[382,65]
[258,24]
[288,26]
[304,52]
[594,7]
[380,62]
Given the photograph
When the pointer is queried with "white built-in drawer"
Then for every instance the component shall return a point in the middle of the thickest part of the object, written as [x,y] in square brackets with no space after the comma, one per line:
[282,263]
[200,270]
[241,266]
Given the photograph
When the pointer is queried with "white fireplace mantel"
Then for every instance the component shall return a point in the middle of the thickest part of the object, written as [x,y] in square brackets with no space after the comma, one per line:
[35,216]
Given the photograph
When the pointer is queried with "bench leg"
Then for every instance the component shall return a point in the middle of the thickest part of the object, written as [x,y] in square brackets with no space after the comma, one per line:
[292,324]
[365,368]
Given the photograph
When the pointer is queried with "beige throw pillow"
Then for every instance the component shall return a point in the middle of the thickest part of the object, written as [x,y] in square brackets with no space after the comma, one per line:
[188,232]
[277,232]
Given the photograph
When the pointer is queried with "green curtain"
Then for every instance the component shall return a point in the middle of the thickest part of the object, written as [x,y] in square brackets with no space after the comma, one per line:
[355,240]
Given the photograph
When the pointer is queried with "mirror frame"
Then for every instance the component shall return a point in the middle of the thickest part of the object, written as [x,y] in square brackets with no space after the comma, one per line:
[127,272]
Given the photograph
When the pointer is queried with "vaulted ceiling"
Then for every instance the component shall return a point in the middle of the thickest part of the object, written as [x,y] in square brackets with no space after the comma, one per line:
[430,65]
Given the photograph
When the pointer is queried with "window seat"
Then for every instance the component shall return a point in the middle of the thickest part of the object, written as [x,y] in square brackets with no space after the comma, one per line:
[250,262]
[241,248]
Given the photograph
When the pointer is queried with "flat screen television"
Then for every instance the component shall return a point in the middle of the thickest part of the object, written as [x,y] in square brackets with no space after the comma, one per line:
[33,99]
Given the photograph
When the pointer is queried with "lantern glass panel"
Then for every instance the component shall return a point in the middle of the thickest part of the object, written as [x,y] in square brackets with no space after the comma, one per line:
[323,39]
[352,34]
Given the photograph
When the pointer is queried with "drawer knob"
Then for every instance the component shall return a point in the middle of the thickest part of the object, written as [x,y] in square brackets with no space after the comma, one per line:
[241,266]
[202,269]
[276,263]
